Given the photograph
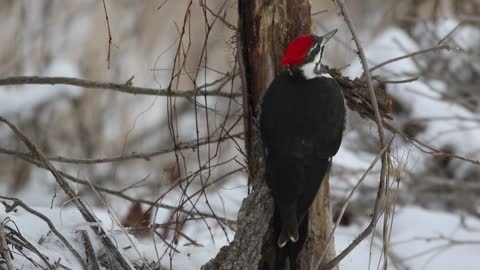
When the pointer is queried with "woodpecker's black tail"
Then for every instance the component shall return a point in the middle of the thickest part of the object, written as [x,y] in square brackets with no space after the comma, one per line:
[289,226]
[291,249]
[291,216]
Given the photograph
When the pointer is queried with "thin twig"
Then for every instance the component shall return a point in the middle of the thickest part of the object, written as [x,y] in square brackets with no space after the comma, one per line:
[319,12]
[347,200]
[430,149]
[383,181]
[363,60]
[161,5]
[380,79]
[109,34]
[114,217]
[436,48]
[450,33]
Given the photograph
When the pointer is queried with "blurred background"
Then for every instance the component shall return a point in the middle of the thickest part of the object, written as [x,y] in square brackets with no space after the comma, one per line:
[178,161]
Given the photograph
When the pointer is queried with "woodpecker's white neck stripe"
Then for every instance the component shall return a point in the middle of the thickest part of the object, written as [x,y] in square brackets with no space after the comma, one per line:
[310,70]
[309,73]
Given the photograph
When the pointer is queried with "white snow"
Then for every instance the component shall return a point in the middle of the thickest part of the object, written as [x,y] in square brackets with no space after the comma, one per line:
[416,241]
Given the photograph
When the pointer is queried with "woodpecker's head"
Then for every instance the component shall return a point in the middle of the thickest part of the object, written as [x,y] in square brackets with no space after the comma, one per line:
[305,52]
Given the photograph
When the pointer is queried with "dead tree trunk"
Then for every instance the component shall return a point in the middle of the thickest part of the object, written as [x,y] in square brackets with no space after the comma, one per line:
[265,29]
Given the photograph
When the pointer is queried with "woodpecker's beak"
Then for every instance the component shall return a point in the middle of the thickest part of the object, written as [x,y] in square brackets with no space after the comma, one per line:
[329,35]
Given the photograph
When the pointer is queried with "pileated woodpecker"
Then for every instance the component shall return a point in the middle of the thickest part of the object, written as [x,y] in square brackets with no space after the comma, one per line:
[302,118]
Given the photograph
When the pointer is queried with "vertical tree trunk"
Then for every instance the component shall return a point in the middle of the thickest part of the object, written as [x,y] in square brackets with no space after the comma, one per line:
[265,29]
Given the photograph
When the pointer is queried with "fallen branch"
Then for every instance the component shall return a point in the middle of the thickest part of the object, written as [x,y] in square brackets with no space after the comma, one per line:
[16,239]
[4,251]
[92,261]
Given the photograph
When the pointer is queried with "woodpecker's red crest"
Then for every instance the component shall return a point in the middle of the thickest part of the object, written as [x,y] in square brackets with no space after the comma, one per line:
[306,48]
[297,50]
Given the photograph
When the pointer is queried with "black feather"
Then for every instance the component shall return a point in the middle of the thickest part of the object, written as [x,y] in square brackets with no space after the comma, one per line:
[301,123]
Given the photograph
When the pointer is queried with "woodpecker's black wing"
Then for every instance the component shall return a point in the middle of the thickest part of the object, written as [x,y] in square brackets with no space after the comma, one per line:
[301,123]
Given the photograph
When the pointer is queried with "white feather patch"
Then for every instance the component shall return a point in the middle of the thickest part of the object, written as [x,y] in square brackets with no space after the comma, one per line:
[308,71]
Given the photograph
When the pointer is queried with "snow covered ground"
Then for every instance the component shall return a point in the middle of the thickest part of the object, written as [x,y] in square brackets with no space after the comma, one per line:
[421,239]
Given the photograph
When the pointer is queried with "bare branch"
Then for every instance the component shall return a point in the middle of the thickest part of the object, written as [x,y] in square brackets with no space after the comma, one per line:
[124,88]
[109,34]
[380,79]
[426,148]
[450,33]
[383,181]
[345,204]
[145,156]
[436,48]
[363,60]
[92,261]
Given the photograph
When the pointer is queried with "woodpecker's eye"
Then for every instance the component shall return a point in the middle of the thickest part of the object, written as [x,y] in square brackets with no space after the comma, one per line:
[313,52]
[313,49]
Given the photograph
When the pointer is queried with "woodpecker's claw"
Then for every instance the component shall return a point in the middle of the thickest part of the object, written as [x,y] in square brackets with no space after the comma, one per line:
[294,238]
[287,234]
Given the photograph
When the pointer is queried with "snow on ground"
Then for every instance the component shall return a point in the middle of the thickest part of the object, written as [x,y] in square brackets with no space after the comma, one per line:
[417,242]
[225,202]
